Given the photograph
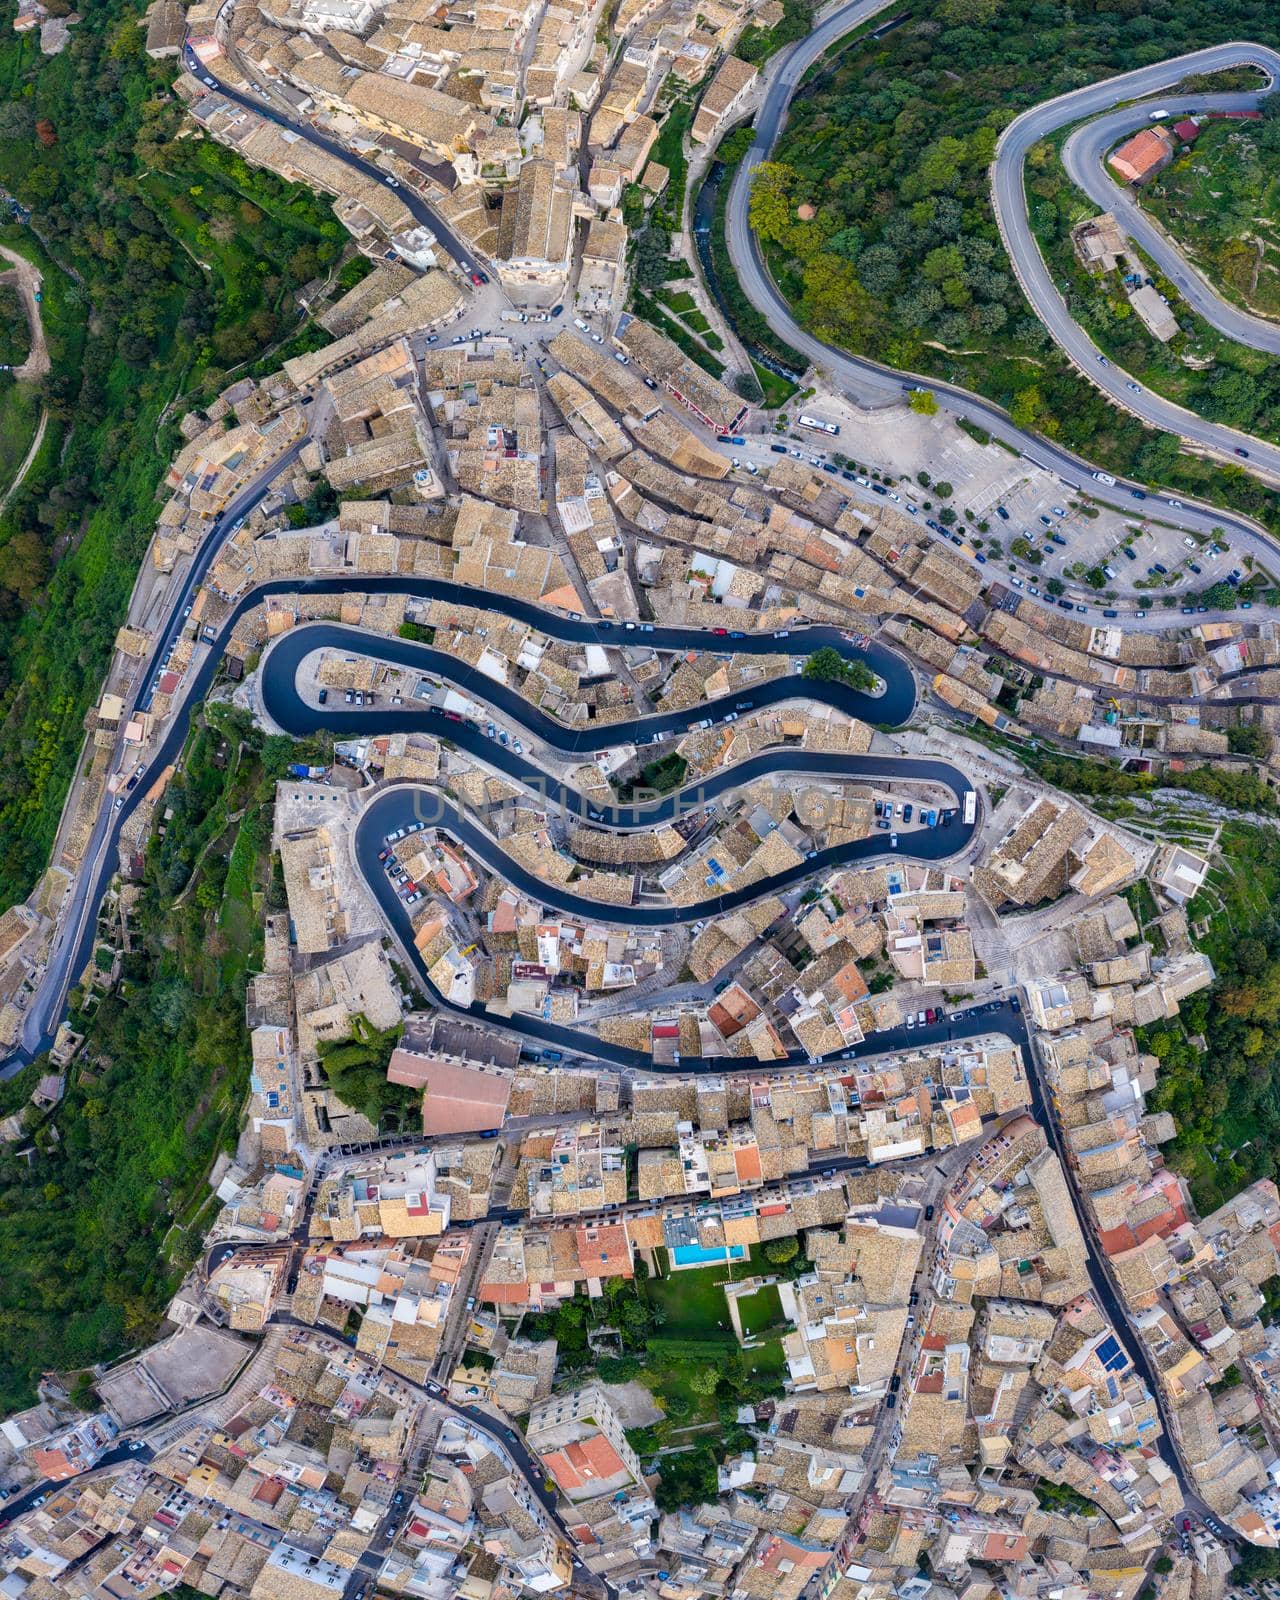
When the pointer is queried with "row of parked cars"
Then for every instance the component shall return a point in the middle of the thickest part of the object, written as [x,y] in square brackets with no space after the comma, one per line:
[404,885]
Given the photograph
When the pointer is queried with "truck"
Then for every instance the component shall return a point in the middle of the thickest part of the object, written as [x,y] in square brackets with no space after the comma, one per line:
[298,770]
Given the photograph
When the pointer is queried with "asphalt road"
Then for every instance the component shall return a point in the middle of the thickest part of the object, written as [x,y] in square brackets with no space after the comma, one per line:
[422,212]
[1083,157]
[98,863]
[126,1450]
[1009,200]
[71,951]
[871,385]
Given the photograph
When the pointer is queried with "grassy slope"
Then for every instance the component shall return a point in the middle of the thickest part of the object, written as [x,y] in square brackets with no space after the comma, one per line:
[89,1250]
[1222,203]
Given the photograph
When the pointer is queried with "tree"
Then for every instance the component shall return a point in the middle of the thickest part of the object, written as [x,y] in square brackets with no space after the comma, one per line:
[1249,740]
[1256,1565]
[968,13]
[943,489]
[925,402]
[1055,587]
[780,1251]
[829,665]
[770,208]
[704,1380]
[835,304]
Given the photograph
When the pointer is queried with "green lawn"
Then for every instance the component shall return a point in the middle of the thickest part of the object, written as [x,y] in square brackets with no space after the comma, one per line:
[762,1312]
[777,391]
[693,1301]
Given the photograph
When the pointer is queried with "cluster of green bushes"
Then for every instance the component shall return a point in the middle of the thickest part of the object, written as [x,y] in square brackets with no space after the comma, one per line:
[751,325]
[654,314]
[1222,202]
[757,44]
[827,664]
[697,1372]
[15,335]
[356,1070]
[1220,1057]
[1238,790]
[1198,368]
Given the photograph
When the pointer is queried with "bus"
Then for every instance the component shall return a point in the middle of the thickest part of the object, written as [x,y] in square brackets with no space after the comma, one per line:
[970,807]
[819,425]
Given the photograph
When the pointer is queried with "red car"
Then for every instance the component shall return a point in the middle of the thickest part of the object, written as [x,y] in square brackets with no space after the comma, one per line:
[930,1016]
[475,278]
[721,633]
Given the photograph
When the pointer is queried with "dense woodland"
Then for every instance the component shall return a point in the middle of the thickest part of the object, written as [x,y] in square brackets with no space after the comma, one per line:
[15,336]
[97,1227]
[166,262]
[889,146]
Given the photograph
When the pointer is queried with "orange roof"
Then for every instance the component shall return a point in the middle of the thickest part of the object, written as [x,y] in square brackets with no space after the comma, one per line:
[746,1161]
[1142,155]
[603,1251]
[584,1462]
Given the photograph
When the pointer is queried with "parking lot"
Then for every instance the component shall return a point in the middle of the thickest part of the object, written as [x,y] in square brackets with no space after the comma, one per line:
[1040,533]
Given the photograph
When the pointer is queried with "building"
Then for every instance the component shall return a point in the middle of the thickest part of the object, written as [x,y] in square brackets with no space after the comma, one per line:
[535,231]
[75,1450]
[1179,872]
[1141,158]
[583,1444]
[724,99]
[456,1098]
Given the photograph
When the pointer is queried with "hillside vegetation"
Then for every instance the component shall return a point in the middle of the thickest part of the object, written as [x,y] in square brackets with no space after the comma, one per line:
[1221,202]
[96,1230]
[166,261]
[890,145]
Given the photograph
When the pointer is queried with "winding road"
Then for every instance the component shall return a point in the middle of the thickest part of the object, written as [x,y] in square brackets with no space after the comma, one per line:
[1083,159]
[872,385]
[1010,203]
[421,211]
[865,381]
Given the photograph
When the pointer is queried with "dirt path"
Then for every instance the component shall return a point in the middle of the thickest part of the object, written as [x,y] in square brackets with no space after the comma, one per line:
[26,460]
[29,281]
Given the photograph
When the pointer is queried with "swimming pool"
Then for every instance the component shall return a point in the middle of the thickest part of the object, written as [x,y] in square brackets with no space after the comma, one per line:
[700,1255]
